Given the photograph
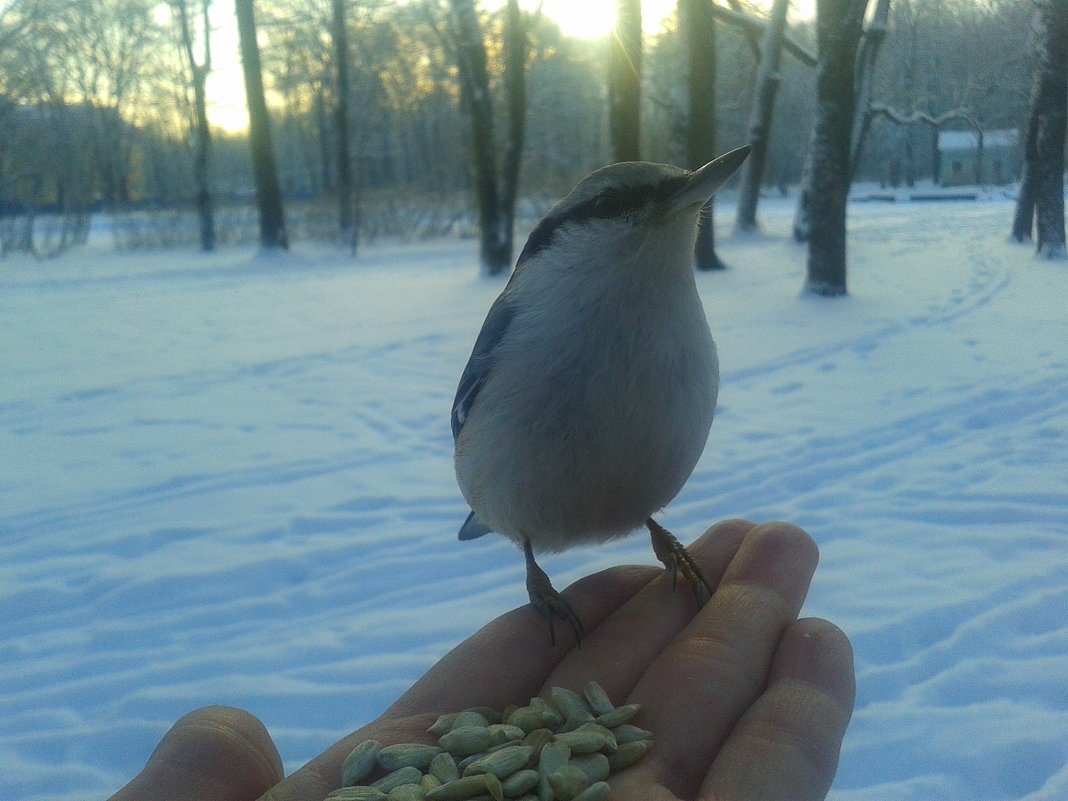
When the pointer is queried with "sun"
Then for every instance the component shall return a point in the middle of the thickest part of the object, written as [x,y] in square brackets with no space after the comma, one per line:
[592,19]
[583,19]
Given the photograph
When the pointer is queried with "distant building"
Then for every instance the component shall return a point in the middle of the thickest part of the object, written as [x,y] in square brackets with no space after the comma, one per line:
[964,158]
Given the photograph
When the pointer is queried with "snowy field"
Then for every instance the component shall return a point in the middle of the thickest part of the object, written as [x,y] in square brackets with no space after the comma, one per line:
[227,479]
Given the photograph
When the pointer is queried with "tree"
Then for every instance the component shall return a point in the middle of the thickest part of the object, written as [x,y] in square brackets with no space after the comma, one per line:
[838,30]
[865,79]
[768,79]
[625,81]
[198,72]
[700,31]
[861,115]
[1041,195]
[474,88]
[495,197]
[347,231]
[516,46]
[265,173]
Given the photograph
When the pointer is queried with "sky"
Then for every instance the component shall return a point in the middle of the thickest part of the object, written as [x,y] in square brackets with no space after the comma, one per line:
[589,18]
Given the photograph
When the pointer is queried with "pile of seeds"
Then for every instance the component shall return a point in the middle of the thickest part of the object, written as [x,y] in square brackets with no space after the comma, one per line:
[562,749]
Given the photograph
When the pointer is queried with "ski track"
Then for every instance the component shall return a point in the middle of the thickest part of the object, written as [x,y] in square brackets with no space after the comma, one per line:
[290,497]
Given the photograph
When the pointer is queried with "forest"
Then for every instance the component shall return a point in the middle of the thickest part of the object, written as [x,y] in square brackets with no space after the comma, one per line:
[373,130]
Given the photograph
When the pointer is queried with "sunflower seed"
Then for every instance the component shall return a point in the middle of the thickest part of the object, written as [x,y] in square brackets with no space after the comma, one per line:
[465,740]
[567,782]
[618,716]
[408,775]
[519,783]
[594,766]
[628,754]
[569,704]
[404,755]
[468,787]
[501,763]
[597,698]
[360,762]
[628,734]
[443,767]
[356,794]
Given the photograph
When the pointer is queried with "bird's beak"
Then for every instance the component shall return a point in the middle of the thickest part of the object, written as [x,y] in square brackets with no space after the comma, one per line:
[702,183]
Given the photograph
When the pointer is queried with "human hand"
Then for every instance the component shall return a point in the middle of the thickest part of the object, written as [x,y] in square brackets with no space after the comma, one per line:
[745,701]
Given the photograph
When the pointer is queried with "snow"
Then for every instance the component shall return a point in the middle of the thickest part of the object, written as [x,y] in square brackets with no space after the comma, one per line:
[969,140]
[227,479]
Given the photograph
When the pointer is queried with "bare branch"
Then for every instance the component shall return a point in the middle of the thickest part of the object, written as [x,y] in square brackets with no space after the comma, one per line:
[915,117]
[756,27]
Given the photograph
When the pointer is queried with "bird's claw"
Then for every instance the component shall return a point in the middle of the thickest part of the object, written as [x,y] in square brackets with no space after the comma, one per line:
[678,560]
[549,603]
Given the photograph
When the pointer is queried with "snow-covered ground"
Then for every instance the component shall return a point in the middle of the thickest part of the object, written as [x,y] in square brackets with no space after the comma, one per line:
[227,479]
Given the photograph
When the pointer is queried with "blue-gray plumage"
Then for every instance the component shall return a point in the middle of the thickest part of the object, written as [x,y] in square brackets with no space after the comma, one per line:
[481,361]
[591,388]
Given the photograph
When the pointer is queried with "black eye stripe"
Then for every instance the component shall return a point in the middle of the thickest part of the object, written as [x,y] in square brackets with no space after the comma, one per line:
[609,203]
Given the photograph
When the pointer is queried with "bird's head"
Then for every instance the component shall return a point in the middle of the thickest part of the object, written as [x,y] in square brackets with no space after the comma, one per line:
[627,209]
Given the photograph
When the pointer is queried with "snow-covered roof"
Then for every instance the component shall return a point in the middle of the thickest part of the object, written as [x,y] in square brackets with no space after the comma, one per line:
[969,140]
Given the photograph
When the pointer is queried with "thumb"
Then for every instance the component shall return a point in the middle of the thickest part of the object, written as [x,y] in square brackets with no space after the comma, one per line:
[216,753]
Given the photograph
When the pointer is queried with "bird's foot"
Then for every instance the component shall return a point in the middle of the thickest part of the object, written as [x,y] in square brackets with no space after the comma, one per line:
[549,603]
[678,560]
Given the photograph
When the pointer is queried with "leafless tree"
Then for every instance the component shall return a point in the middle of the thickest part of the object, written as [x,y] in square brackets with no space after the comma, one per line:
[625,81]
[269,196]
[768,80]
[698,26]
[838,29]
[1041,197]
[495,185]
[199,69]
[347,229]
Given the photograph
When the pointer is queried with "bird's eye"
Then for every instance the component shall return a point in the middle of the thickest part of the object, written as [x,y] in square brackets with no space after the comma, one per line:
[608,204]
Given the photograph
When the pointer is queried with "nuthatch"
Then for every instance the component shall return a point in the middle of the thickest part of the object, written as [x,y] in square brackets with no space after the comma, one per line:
[590,391]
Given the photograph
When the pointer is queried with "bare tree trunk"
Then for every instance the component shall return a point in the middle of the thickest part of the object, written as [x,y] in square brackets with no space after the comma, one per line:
[768,80]
[1023,220]
[515,64]
[265,173]
[803,213]
[700,27]
[625,81]
[202,155]
[865,79]
[838,29]
[347,231]
[474,88]
[1041,195]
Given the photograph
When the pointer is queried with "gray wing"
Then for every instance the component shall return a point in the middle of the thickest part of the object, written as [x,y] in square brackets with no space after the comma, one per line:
[480,364]
[474,376]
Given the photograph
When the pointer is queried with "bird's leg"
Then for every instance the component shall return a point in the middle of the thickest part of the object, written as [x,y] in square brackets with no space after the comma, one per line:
[549,603]
[677,559]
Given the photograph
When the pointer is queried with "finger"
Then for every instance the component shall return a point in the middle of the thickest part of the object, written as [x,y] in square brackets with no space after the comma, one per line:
[617,653]
[787,744]
[212,754]
[704,680]
[508,660]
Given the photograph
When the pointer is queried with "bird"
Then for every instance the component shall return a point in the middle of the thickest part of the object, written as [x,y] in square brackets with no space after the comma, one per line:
[591,387]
